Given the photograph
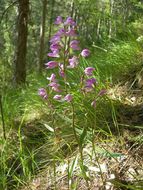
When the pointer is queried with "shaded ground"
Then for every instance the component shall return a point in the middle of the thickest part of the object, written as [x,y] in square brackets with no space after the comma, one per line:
[116,162]
[120,163]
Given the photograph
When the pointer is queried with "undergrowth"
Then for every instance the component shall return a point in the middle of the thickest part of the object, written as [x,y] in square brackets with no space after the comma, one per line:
[38,137]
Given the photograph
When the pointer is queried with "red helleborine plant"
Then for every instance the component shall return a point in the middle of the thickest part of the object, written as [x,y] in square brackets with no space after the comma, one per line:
[64,47]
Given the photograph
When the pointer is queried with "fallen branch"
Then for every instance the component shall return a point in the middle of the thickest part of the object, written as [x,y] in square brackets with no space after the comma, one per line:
[105,50]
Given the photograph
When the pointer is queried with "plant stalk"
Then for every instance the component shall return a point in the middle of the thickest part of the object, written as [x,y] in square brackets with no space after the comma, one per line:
[2,117]
[80,146]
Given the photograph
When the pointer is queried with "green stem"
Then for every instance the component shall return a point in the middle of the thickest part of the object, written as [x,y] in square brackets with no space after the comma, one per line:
[97,160]
[55,184]
[69,174]
[96,157]
[73,124]
[2,117]
[80,146]
[65,74]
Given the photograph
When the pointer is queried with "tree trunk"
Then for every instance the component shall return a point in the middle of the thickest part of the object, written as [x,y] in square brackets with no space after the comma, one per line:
[72,8]
[42,36]
[20,61]
[111,17]
[98,29]
[51,21]
[125,13]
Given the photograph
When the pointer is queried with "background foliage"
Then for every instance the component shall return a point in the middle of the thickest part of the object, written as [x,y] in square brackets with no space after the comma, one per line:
[113,31]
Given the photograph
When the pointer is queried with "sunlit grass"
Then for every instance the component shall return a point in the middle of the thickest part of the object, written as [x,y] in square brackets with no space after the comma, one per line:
[38,138]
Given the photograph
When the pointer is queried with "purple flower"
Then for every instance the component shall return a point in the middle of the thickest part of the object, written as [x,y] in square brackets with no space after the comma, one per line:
[61,70]
[102,92]
[93,103]
[68,98]
[88,89]
[55,86]
[62,73]
[85,53]
[55,53]
[43,93]
[71,32]
[73,62]
[90,82]
[89,71]
[51,64]
[55,47]
[61,66]
[61,32]
[55,39]
[70,21]
[52,78]
[74,44]
[59,20]
[57,97]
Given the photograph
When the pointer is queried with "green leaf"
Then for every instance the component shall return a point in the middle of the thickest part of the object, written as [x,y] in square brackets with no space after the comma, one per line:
[82,136]
[73,166]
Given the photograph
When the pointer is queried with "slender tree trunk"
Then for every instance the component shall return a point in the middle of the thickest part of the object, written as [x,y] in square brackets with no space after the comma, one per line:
[76,17]
[72,8]
[98,28]
[110,20]
[87,31]
[20,61]
[42,36]
[51,21]
[125,13]
[115,17]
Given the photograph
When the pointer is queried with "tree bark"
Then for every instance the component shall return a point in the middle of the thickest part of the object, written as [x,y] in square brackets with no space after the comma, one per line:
[42,36]
[111,2]
[98,29]
[72,8]
[20,61]
[51,21]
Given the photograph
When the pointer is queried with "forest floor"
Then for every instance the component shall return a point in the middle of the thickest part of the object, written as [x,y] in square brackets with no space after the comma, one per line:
[41,153]
[116,160]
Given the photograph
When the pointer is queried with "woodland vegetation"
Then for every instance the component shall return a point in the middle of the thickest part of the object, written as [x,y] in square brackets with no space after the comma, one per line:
[71,94]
